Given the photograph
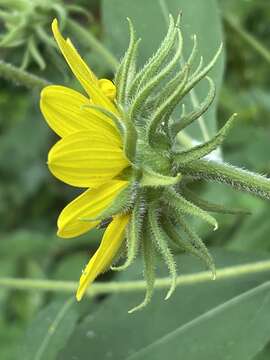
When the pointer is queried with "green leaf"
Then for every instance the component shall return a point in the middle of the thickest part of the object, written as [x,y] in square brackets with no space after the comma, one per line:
[264,354]
[50,331]
[221,332]
[117,335]
[150,20]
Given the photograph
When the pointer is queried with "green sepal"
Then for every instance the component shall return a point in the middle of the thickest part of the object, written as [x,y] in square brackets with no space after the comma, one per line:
[183,206]
[25,59]
[174,235]
[195,79]
[122,75]
[194,50]
[188,119]
[198,244]
[61,13]
[154,179]
[157,59]
[130,137]
[199,67]
[162,245]
[43,36]
[13,38]
[209,206]
[143,93]
[149,260]
[199,151]
[165,109]
[192,246]
[170,87]
[134,233]
[36,55]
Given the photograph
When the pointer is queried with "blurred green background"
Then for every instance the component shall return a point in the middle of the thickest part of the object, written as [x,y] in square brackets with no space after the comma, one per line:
[31,199]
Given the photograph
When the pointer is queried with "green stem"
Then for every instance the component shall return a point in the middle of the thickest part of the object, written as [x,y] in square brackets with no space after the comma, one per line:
[21,77]
[87,38]
[229,272]
[238,178]
[248,38]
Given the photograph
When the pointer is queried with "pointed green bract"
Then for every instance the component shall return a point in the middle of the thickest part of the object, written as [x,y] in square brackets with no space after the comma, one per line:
[134,234]
[192,245]
[166,108]
[153,179]
[157,59]
[199,245]
[183,206]
[204,72]
[123,73]
[149,256]
[144,93]
[199,151]
[187,119]
[209,206]
[161,243]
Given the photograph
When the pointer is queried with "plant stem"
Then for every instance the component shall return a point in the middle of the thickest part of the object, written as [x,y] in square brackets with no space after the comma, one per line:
[238,178]
[87,38]
[248,38]
[21,77]
[130,286]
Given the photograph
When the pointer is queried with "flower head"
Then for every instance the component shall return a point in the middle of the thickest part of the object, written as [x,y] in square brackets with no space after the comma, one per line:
[121,142]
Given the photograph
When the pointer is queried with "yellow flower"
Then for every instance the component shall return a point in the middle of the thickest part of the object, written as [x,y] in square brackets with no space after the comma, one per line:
[88,155]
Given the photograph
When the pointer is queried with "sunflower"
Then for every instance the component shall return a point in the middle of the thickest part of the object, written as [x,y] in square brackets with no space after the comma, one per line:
[124,144]
[88,155]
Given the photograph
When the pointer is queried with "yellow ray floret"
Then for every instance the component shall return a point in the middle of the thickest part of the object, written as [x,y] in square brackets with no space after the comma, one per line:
[66,112]
[75,218]
[101,93]
[88,155]
[110,245]
[85,159]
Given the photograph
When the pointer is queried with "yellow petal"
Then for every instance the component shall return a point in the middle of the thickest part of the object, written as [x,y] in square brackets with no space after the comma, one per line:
[110,245]
[82,72]
[108,88]
[85,159]
[65,112]
[88,205]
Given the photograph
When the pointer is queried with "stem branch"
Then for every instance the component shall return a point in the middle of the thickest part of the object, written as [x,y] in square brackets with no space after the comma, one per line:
[139,285]
[21,77]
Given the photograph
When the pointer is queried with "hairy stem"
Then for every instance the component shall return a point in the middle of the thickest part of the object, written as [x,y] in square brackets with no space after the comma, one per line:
[21,77]
[229,272]
[238,178]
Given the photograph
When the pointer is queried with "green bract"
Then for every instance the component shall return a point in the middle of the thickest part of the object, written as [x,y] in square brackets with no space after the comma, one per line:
[162,167]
